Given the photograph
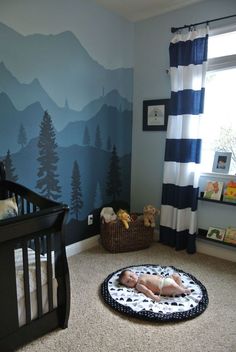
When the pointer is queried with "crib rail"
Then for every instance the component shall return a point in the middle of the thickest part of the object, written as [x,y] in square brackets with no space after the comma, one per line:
[38,226]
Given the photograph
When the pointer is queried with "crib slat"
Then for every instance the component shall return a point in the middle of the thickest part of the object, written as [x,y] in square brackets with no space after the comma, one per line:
[38,277]
[8,295]
[28,207]
[49,273]
[26,282]
[22,206]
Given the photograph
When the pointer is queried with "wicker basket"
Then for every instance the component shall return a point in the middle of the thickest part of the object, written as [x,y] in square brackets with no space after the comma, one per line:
[115,238]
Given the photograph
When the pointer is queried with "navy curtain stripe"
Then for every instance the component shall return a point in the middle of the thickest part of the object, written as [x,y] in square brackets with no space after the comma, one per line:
[179,240]
[180,197]
[187,101]
[188,52]
[183,150]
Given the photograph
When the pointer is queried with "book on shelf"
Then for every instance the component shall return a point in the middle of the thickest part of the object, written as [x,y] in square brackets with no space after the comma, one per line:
[230,235]
[213,190]
[230,192]
[216,233]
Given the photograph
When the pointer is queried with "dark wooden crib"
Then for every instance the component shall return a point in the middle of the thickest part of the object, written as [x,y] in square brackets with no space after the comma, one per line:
[39,226]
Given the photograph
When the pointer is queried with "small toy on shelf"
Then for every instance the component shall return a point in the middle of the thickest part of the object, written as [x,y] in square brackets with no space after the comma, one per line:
[124,217]
[149,214]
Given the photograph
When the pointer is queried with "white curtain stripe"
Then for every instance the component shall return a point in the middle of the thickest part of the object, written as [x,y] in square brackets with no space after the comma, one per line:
[188,77]
[184,126]
[190,35]
[180,219]
[181,174]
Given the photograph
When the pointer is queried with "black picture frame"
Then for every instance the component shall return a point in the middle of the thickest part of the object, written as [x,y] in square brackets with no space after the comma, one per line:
[155,114]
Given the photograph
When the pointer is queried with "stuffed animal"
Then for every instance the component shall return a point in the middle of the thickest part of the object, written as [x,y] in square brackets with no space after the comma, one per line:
[124,217]
[108,215]
[149,213]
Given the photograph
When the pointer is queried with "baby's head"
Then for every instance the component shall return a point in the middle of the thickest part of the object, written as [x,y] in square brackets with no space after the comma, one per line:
[128,278]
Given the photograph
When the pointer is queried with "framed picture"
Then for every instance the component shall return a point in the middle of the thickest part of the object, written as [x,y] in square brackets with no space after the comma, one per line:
[221,162]
[155,115]
[230,235]
[213,190]
[216,233]
[230,192]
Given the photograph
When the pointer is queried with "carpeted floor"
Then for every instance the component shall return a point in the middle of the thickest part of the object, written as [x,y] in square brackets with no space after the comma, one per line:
[94,327]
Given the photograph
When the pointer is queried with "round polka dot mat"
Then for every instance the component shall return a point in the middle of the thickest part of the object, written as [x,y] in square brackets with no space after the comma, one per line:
[136,304]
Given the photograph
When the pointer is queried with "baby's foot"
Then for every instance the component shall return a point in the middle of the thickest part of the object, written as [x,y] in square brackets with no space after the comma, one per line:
[157,298]
[187,291]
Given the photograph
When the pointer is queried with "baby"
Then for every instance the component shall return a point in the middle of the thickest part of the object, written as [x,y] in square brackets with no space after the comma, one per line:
[151,285]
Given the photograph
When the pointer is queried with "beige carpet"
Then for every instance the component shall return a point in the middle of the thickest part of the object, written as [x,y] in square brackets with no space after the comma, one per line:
[94,327]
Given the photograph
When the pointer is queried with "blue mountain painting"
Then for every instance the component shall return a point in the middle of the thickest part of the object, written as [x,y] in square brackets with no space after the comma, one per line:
[93,124]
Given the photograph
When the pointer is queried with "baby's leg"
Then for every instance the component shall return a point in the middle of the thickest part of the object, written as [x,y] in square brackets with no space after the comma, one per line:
[176,277]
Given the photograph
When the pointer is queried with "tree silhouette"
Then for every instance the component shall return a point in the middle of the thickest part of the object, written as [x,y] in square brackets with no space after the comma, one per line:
[98,197]
[10,170]
[48,183]
[86,137]
[22,139]
[114,179]
[76,194]
[98,141]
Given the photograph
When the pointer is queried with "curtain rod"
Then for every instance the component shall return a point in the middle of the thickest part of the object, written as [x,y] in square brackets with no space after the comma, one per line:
[175,29]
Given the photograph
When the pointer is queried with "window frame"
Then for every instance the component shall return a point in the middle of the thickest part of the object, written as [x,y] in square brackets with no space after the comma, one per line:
[219,64]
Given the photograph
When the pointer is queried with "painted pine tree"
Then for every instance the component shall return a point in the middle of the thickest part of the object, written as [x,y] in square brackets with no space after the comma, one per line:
[76,194]
[48,183]
[98,197]
[22,138]
[114,183]
[10,170]
[98,140]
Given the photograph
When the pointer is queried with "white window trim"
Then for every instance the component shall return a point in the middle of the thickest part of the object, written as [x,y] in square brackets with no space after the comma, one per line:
[221,63]
[216,64]
[222,30]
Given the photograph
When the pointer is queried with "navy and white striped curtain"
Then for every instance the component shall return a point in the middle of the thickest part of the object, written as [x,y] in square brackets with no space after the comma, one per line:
[188,60]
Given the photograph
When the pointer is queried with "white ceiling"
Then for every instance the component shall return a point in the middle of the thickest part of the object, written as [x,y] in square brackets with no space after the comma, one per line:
[136,10]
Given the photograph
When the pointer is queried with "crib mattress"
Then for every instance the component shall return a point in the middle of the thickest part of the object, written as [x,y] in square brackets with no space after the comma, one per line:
[32,285]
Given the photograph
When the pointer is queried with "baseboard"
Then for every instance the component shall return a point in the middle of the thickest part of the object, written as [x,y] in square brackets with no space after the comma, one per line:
[216,250]
[212,249]
[81,246]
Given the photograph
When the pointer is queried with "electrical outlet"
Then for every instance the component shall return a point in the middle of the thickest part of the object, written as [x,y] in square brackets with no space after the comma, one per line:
[90,219]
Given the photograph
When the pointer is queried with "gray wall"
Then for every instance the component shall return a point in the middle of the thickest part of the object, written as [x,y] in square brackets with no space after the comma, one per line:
[151,59]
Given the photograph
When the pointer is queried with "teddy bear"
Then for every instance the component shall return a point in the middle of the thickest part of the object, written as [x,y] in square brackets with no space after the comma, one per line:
[149,213]
[108,215]
[124,217]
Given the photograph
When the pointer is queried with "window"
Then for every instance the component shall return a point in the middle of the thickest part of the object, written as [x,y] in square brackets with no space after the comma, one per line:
[219,124]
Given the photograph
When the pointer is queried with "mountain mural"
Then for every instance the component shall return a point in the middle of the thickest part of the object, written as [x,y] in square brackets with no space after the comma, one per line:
[26,166]
[61,61]
[114,123]
[54,96]
[11,119]
[23,95]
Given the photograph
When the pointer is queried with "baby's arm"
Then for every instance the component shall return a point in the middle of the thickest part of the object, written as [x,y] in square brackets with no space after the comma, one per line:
[143,289]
